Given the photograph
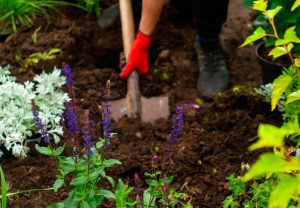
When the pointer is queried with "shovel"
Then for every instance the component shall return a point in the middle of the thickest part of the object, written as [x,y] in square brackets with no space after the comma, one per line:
[135,105]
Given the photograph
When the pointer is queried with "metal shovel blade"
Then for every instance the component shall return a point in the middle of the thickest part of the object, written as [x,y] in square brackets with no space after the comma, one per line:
[151,108]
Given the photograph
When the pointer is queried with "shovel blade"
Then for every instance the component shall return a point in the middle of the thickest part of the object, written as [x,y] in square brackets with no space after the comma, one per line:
[154,108]
[151,108]
[119,109]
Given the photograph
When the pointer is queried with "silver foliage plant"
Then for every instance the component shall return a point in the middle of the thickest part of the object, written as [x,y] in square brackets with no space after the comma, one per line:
[16,118]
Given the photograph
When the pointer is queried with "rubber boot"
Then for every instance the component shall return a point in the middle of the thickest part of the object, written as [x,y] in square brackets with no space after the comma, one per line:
[110,17]
[213,74]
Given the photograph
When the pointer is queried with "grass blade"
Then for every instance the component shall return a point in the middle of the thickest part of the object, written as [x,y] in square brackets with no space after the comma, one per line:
[3,189]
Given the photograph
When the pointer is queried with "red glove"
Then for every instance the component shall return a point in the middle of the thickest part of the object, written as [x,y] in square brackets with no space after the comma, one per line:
[138,57]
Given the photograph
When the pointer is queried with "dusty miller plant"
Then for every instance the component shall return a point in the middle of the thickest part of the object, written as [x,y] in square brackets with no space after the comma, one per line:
[16,119]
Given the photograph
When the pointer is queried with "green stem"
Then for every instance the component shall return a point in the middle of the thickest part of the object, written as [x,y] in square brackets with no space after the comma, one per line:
[27,191]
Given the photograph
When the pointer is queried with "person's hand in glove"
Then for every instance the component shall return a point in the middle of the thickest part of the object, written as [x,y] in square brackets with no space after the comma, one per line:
[138,57]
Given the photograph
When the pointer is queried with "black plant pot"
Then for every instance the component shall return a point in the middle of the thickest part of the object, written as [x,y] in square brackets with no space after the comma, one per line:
[3,36]
[270,70]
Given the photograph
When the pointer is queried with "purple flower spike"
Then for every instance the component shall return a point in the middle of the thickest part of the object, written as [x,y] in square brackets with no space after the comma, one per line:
[177,120]
[88,139]
[72,123]
[106,112]
[39,124]
[67,72]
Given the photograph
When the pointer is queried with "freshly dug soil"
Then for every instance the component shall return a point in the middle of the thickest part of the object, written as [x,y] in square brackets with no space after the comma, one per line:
[215,137]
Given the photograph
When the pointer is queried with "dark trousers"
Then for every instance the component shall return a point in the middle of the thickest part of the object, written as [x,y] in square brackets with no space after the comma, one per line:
[209,15]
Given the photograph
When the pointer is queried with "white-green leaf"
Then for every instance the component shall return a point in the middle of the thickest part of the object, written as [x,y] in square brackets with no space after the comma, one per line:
[107,194]
[279,84]
[293,97]
[258,34]
[273,12]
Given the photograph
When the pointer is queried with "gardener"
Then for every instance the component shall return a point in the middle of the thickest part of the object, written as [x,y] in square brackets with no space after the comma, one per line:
[210,16]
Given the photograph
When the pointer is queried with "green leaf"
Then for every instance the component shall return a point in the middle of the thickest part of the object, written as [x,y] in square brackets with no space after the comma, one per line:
[107,194]
[84,204]
[293,97]
[122,192]
[260,5]
[281,50]
[111,162]
[289,36]
[269,136]
[273,12]
[296,5]
[279,84]
[283,192]
[57,184]
[67,164]
[269,163]
[81,180]
[149,198]
[3,189]
[258,34]
[110,180]
[58,151]
[43,150]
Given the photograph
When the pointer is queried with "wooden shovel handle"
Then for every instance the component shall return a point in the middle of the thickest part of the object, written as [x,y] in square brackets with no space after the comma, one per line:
[128,34]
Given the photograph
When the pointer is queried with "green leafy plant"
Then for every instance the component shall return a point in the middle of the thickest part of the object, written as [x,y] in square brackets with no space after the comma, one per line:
[16,119]
[36,58]
[285,19]
[283,163]
[22,13]
[91,6]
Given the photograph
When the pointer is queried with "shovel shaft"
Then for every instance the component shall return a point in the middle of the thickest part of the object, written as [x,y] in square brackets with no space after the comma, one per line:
[128,34]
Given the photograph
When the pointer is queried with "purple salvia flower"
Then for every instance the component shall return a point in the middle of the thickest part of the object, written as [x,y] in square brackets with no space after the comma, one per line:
[177,120]
[106,113]
[39,124]
[67,72]
[88,139]
[71,118]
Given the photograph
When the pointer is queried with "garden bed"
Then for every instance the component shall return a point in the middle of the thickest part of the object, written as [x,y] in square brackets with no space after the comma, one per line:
[215,138]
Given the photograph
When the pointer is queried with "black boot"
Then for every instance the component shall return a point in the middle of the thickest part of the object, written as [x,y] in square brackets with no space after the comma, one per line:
[214,76]
[110,17]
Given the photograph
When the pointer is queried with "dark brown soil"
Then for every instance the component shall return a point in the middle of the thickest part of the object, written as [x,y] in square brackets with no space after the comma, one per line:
[215,137]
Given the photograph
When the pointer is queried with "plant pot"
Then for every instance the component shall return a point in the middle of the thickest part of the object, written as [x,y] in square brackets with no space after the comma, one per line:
[4,35]
[270,70]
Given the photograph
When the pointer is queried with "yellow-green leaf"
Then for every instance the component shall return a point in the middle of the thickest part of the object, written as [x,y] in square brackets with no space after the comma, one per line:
[267,163]
[258,34]
[269,136]
[293,97]
[260,5]
[296,5]
[273,12]
[283,192]
[280,51]
[290,36]
[279,84]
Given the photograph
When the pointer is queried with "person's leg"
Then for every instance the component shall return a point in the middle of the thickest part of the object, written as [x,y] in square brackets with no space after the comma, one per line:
[210,16]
